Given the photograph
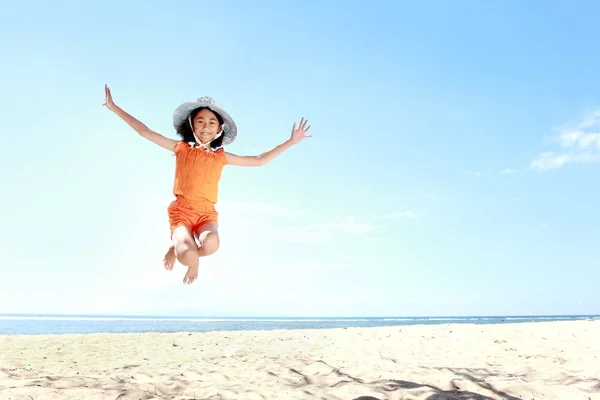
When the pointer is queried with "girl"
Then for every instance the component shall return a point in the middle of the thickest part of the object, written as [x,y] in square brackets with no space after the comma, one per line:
[204,128]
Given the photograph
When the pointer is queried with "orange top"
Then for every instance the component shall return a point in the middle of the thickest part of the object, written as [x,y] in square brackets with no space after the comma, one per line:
[197,172]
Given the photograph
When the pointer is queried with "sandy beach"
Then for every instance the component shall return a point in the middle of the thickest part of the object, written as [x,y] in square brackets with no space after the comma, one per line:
[550,360]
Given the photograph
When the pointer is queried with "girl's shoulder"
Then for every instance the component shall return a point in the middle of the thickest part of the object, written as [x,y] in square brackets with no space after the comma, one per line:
[181,145]
[220,154]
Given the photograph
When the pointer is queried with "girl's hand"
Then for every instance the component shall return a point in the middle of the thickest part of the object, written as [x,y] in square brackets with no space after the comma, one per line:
[300,133]
[108,101]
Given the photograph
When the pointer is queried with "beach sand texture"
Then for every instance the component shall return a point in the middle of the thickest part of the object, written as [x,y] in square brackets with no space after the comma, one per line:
[548,360]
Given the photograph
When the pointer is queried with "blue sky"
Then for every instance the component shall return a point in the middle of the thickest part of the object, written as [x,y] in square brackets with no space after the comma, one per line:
[453,168]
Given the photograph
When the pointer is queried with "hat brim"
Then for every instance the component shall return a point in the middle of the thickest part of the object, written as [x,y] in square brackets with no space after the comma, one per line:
[183,111]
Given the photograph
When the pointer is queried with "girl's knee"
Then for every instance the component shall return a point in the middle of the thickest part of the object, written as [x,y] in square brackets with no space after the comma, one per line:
[186,252]
[210,243]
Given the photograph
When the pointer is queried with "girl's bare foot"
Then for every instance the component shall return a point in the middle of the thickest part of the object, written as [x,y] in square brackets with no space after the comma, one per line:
[191,275]
[169,260]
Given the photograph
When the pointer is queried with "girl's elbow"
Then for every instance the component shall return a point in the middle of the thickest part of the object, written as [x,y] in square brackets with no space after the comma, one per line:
[144,132]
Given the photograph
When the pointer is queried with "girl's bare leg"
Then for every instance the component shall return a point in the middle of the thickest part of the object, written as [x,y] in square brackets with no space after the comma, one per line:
[208,237]
[185,250]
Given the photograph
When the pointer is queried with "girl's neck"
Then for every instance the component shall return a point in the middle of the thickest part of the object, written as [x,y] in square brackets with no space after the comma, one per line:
[205,146]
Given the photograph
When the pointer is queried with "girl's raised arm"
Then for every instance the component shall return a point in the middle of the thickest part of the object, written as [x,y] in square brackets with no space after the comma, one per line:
[258,161]
[138,126]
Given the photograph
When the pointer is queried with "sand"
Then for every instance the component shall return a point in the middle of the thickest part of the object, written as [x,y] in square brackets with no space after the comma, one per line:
[548,360]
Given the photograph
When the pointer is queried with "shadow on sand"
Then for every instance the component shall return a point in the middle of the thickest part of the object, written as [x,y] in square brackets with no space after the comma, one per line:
[121,385]
[394,385]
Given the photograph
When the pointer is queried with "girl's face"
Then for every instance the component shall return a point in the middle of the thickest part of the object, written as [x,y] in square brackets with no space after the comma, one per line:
[206,125]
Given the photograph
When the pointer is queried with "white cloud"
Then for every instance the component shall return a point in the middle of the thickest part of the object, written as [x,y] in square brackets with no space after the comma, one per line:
[476,174]
[350,224]
[338,256]
[377,239]
[578,145]
[324,232]
[319,230]
[313,233]
[404,214]
[322,266]
[592,119]
[331,228]
[551,160]
[574,138]
[508,171]
[258,208]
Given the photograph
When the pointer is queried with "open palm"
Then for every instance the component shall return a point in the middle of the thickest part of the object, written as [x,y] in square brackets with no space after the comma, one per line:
[300,133]
[108,101]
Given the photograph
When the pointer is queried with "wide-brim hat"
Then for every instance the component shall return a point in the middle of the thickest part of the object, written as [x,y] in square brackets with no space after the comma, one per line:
[183,111]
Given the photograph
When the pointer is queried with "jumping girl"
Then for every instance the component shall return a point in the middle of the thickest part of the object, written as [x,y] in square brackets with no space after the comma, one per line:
[204,128]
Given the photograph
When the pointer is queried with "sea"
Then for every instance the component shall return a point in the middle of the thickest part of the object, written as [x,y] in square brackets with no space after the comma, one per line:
[29,324]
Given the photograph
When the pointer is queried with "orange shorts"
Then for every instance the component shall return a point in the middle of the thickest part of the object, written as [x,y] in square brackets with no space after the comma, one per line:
[193,215]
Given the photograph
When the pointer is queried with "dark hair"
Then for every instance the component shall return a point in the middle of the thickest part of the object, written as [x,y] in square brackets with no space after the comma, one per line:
[185,130]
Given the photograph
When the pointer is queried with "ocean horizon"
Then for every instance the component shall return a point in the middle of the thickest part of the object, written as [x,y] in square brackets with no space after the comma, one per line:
[40,324]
